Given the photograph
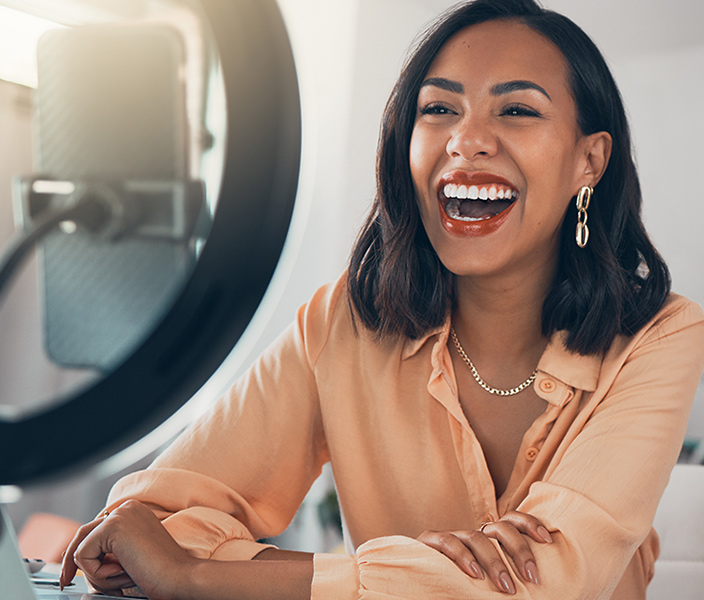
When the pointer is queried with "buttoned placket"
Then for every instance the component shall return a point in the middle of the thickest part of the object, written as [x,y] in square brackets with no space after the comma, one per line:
[468,452]
[470,456]
[541,439]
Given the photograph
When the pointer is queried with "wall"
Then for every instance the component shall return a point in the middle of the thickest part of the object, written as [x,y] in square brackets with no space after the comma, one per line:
[662,90]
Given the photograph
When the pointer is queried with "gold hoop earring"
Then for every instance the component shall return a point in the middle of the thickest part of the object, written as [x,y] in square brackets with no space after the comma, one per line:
[583,198]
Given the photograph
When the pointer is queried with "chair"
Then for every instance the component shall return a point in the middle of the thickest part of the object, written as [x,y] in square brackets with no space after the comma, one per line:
[46,536]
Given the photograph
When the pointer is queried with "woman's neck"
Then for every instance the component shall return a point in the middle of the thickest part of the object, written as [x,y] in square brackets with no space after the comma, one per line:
[498,318]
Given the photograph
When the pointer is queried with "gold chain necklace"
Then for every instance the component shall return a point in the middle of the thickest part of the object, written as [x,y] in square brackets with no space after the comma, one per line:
[479,380]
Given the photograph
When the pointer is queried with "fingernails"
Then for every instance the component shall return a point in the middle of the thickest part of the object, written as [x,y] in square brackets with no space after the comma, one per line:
[476,569]
[545,534]
[507,583]
[532,571]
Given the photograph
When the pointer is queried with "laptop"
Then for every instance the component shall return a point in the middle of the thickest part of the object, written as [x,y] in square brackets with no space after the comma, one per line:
[16,583]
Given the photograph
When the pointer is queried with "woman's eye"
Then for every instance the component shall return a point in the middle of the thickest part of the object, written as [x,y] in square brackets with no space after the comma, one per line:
[519,110]
[434,109]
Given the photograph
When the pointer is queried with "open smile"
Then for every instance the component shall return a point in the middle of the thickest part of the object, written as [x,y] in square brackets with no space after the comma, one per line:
[474,203]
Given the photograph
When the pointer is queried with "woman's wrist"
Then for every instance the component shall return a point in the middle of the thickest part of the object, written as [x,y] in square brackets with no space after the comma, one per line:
[193,580]
[207,579]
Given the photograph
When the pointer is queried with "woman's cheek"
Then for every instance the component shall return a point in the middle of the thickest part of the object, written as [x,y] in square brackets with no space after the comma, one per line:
[422,162]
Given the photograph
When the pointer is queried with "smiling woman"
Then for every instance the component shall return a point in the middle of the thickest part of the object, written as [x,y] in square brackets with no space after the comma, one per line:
[501,398]
[593,294]
[479,125]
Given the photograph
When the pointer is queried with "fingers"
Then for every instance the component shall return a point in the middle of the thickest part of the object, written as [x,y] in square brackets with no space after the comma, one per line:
[112,585]
[68,564]
[93,557]
[102,570]
[528,525]
[131,548]
[451,546]
[516,546]
[489,558]
[103,573]
[512,532]
[476,554]
[109,577]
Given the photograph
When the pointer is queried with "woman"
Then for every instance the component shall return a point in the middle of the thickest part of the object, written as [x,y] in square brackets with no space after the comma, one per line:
[501,381]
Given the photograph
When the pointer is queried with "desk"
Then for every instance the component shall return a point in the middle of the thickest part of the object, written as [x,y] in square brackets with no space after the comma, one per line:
[78,591]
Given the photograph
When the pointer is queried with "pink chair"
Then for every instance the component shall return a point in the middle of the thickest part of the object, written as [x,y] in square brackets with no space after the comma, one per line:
[46,536]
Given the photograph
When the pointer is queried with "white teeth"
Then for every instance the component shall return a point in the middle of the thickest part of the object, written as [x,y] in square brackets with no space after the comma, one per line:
[474,192]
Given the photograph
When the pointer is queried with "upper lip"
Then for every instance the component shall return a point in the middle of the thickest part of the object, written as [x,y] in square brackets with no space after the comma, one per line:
[472,178]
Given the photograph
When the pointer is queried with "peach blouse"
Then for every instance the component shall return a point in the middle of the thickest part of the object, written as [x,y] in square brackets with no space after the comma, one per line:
[386,415]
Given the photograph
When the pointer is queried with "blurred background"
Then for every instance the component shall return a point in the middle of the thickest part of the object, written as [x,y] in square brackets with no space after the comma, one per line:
[348,54]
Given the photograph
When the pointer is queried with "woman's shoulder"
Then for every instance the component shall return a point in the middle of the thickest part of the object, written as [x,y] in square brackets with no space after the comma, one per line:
[676,313]
[678,323]
[327,304]
[327,309]
[328,324]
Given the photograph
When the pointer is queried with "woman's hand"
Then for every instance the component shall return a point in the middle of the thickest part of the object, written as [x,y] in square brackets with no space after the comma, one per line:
[127,548]
[475,554]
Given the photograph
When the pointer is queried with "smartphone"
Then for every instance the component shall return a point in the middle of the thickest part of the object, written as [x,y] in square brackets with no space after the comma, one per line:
[110,108]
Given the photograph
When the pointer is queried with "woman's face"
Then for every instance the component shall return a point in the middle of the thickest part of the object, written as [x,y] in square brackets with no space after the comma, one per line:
[496,152]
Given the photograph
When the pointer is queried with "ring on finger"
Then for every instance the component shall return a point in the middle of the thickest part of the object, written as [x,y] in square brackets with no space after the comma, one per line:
[483,526]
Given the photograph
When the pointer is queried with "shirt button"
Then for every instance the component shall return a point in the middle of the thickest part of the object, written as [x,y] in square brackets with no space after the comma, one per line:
[531,454]
[547,386]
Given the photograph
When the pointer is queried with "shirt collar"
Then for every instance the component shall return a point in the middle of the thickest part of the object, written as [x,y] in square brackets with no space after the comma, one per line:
[578,371]
[412,346]
[575,370]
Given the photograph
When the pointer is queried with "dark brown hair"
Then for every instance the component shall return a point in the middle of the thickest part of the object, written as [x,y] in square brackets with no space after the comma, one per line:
[397,284]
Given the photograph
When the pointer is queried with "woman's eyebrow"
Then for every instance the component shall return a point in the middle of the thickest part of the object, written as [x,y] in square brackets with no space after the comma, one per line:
[498,90]
[445,84]
[520,84]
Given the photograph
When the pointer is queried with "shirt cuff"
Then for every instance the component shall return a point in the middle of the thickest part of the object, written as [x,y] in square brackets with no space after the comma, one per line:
[335,577]
[208,533]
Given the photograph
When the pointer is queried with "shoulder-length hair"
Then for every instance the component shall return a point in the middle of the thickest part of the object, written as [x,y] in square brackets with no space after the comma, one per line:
[396,282]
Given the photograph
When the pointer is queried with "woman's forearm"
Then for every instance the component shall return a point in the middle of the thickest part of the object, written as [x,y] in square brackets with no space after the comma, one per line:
[130,547]
[245,580]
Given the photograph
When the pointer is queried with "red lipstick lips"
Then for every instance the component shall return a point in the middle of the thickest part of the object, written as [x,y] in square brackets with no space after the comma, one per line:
[458,183]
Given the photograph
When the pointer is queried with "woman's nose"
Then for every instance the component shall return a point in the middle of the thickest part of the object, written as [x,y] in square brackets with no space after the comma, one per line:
[471,138]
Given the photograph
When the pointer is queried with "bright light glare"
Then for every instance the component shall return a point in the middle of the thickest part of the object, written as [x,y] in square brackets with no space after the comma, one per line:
[19,33]
[42,186]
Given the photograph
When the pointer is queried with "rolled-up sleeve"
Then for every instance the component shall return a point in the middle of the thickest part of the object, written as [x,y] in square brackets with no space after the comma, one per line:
[242,470]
